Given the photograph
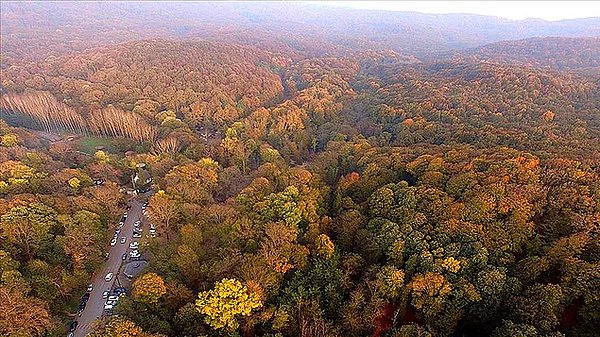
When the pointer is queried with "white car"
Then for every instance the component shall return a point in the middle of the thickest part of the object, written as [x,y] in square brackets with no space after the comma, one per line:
[113,241]
[108,277]
[113,298]
[134,245]
[105,294]
[90,288]
[123,240]
[134,253]
[137,223]
[137,235]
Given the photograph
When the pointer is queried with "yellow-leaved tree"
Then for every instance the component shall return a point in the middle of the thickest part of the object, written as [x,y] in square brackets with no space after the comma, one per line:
[101,156]
[9,140]
[227,300]
[325,246]
[120,327]
[75,183]
[148,288]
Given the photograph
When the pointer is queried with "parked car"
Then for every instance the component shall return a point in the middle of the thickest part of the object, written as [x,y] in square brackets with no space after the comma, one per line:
[81,308]
[152,226]
[85,297]
[124,256]
[113,241]
[108,277]
[134,254]
[73,326]
[137,235]
[137,223]
[71,334]
[119,291]
[90,288]
[123,240]
[113,298]
[134,245]
[105,294]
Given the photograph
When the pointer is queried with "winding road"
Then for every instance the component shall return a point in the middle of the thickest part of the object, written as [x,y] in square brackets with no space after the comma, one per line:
[95,305]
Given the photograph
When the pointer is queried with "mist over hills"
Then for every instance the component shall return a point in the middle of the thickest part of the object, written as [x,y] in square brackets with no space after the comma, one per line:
[81,25]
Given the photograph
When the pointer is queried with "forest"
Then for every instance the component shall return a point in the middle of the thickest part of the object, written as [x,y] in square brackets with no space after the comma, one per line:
[389,175]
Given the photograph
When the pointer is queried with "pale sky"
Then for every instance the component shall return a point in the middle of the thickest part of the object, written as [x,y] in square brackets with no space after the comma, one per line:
[516,10]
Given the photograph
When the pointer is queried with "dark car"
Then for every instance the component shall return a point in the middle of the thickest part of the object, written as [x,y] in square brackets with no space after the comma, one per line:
[73,326]
[120,291]
[81,308]
[85,297]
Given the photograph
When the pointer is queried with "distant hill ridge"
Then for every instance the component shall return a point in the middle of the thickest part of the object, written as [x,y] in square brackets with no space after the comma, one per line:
[560,53]
[37,30]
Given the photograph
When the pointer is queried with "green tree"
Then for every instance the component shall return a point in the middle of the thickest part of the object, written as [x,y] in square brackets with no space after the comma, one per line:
[28,227]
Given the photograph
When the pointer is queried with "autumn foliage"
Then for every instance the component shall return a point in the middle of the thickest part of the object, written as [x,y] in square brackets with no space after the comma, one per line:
[314,173]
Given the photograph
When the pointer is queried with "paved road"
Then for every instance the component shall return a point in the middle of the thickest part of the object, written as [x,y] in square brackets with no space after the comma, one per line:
[95,304]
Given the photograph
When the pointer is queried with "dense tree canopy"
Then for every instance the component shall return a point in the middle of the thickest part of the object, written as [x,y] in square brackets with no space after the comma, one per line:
[305,182]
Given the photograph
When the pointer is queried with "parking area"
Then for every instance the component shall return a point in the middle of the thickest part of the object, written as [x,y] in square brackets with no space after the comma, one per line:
[111,283]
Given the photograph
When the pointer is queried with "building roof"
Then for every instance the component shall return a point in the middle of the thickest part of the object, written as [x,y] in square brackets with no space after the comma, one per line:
[133,268]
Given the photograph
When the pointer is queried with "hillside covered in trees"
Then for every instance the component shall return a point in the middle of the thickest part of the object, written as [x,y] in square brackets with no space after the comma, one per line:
[390,174]
[575,54]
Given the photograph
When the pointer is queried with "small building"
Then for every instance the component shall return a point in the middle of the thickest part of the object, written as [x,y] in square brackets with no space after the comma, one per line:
[132,269]
[141,179]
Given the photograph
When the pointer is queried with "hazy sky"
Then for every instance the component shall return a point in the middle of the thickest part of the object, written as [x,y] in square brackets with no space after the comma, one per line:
[516,10]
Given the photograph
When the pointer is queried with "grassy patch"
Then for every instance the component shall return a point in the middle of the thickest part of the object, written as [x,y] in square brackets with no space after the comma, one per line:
[89,144]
